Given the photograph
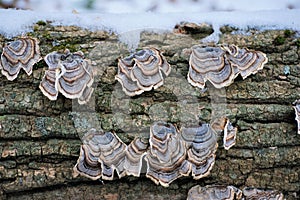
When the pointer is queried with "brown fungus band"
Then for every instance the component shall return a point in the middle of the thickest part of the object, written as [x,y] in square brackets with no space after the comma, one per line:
[19,54]
[69,74]
[222,64]
[142,71]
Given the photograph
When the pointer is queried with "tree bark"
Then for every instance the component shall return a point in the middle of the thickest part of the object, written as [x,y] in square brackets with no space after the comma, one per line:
[40,139]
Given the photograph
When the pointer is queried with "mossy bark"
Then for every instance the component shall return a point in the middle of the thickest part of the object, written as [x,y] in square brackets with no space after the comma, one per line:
[40,139]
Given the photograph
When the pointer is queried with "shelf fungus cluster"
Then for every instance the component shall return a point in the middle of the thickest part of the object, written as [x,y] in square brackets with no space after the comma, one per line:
[68,73]
[222,64]
[169,154]
[142,71]
[20,54]
[254,193]
[103,153]
[214,192]
[297,113]
[220,192]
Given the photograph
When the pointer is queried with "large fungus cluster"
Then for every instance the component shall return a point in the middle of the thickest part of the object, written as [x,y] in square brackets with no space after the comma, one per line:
[222,64]
[68,73]
[142,71]
[169,154]
[20,54]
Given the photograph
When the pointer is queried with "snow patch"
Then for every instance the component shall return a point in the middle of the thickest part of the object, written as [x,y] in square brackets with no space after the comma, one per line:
[129,26]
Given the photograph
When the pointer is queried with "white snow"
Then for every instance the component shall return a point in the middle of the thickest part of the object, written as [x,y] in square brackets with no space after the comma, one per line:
[128,26]
[137,6]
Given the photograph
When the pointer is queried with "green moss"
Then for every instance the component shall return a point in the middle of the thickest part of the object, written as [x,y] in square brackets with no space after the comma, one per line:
[279,40]
[297,43]
[41,23]
[288,33]
[40,64]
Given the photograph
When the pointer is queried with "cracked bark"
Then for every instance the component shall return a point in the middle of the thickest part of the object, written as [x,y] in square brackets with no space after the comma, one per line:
[40,139]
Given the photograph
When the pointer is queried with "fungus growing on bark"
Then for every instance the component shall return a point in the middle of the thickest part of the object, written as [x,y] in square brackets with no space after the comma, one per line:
[104,148]
[222,64]
[257,194]
[209,63]
[166,157]
[69,74]
[135,152]
[214,192]
[201,144]
[246,61]
[229,135]
[142,71]
[22,53]
[87,164]
[223,125]
[297,113]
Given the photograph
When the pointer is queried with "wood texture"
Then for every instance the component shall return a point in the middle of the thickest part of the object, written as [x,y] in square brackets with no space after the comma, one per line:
[40,139]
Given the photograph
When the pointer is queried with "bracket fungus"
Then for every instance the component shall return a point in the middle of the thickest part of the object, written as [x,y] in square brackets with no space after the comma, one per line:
[201,144]
[142,71]
[214,192]
[223,124]
[22,53]
[69,74]
[222,64]
[103,148]
[229,135]
[135,153]
[297,113]
[259,194]
[166,157]
[169,154]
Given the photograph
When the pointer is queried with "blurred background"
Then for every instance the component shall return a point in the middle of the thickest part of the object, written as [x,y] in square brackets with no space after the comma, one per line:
[137,6]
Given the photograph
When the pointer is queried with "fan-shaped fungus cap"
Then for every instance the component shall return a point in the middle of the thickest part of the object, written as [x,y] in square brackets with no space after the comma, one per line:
[112,156]
[166,157]
[103,148]
[297,113]
[87,164]
[220,65]
[209,63]
[136,150]
[229,135]
[223,125]
[22,53]
[257,194]
[246,61]
[70,74]
[142,71]
[214,192]
[201,144]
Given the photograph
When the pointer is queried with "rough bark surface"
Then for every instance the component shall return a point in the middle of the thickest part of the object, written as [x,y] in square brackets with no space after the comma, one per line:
[40,139]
